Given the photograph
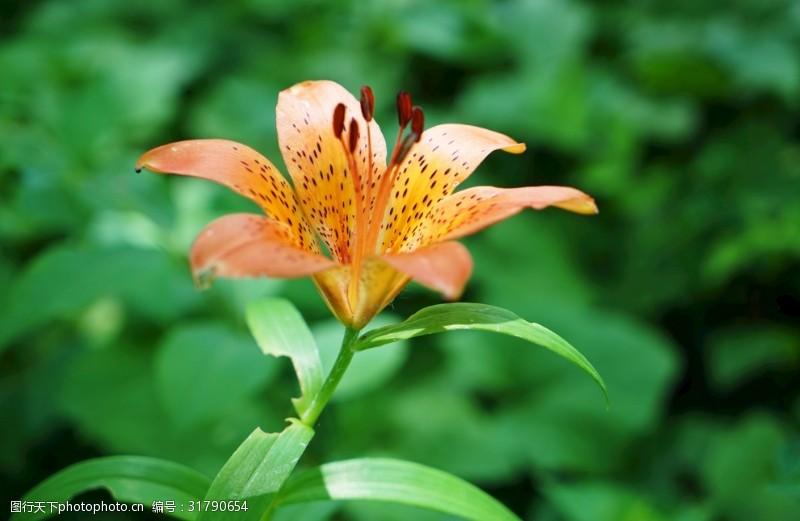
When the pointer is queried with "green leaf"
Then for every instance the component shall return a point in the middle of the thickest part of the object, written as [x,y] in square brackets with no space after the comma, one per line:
[129,479]
[202,368]
[600,501]
[280,330]
[740,466]
[552,422]
[394,481]
[257,471]
[73,279]
[787,479]
[462,315]
[110,397]
[744,351]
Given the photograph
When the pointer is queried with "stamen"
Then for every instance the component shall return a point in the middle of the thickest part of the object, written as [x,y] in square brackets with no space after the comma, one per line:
[417,126]
[366,206]
[367,103]
[353,135]
[356,240]
[406,113]
[417,123]
[338,120]
[349,144]
[403,108]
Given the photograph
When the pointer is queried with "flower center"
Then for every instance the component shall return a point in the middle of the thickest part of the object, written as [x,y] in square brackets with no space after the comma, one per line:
[372,195]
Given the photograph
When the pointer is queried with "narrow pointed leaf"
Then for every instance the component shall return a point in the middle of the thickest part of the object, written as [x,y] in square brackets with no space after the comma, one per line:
[395,481]
[280,330]
[257,471]
[462,315]
[129,479]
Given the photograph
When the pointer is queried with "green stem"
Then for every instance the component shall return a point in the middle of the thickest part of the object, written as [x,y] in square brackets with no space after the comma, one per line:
[346,353]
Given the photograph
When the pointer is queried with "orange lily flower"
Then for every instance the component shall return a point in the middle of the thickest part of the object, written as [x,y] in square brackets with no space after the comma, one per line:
[381,223]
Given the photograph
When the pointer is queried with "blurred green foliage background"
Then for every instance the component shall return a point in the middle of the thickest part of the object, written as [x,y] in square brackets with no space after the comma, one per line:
[680,117]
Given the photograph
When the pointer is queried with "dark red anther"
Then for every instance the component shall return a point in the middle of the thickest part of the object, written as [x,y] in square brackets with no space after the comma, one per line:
[367,102]
[403,108]
[338,120]
[353,135]
[417,123]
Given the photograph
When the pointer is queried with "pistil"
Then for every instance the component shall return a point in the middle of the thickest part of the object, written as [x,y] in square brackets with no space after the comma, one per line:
[364,206]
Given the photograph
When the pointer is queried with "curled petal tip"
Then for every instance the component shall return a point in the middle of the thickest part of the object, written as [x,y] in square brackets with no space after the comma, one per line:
[515,148]
[140,164]
[203,277]
[583,205]
[146,161]
[453,293]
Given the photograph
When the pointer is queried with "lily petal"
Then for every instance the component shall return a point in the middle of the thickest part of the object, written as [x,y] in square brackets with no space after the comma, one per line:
[248,245]
[474,209]
[317,162]
[241,169]
[444,267]
[445,156]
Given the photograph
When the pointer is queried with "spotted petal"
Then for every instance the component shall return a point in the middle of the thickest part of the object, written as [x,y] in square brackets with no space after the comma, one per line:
[241,169]
[248,245]
[474,209]
[444,267]
[317,162]
[444,158]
